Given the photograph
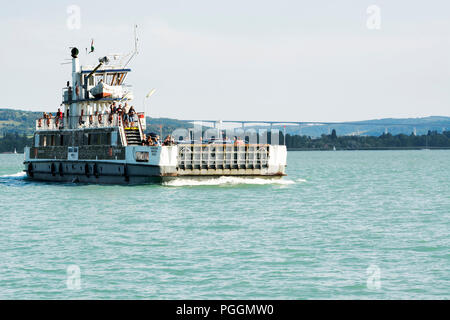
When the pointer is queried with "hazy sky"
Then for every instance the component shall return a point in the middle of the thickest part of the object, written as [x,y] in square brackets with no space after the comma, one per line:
[250,60]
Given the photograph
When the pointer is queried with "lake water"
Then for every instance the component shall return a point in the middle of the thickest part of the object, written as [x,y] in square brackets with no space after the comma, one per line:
[341,225]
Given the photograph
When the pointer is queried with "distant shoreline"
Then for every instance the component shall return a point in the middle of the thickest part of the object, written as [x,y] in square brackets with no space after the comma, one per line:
[369,149]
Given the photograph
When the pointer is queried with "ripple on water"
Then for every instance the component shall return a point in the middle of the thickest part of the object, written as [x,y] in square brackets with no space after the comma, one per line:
[312,234]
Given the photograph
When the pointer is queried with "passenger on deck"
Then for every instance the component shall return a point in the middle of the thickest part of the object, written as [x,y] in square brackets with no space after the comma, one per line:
[169,141]
[113,108]
[132,116]
[59,117]
[59,114]
[81,120]
[156,142]
[144,140]
[126,118]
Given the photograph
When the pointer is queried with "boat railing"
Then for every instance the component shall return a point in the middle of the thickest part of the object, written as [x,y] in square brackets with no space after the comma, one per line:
[52,123]
[223,156]
[100,120]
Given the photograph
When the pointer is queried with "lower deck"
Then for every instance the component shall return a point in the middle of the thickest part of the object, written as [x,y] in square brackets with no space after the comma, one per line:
[122,173]
[149,164]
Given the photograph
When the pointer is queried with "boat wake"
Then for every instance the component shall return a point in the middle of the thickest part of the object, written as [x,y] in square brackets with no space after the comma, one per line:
[226,181]
[18,175]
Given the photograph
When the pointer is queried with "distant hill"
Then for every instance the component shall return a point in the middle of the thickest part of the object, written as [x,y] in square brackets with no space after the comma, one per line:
[23,122]
[18,121]
[374,127]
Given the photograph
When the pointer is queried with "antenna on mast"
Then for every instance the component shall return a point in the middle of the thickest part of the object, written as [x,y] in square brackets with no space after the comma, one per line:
[135,52]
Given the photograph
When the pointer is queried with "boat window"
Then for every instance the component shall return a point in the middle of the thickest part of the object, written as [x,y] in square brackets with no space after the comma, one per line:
[99,77]
[91,81]
[121,77]
[112,78]
[66,140]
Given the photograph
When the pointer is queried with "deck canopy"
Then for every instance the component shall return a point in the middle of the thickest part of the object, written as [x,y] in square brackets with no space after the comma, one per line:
[112,77]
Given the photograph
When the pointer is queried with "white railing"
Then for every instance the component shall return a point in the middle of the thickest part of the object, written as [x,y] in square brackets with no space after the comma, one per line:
[104,120]
[222,156]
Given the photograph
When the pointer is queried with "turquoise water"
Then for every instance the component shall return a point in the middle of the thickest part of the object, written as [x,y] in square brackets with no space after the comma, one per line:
[337,220]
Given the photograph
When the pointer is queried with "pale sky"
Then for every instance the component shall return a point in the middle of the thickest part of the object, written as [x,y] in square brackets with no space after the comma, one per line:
[241,60]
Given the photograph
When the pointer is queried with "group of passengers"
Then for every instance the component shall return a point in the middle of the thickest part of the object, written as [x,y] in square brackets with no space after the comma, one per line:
[48,116]
[153,140]
[126,113]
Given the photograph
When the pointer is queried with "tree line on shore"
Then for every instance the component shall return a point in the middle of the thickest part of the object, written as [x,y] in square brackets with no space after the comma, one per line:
[15,141]
[432,139]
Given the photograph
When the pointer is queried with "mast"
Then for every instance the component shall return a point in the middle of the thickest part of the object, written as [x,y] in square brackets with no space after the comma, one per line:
[76,84]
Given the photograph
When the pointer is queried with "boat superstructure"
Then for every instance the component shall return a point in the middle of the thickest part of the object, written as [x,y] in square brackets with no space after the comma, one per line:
[86,142]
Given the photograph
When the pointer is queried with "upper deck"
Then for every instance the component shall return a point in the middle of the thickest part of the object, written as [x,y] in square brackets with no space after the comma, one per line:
[103,83]
[99,120]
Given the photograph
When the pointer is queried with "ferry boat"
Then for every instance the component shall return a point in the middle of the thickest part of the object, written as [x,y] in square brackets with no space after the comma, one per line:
[88,143]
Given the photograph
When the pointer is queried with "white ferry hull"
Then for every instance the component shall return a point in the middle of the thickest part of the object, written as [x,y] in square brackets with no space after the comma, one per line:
[163,165]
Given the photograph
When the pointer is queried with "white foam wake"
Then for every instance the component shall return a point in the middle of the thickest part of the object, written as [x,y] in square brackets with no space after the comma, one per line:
[225,181]
[15,175]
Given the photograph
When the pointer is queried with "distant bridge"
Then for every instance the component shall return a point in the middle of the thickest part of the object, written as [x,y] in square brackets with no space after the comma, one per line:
[313,123]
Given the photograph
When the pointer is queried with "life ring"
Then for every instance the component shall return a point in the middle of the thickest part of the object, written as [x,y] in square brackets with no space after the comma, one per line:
[125,173]
[30,170]
[99,118]
[86,170]
[77,90]
[95,170]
